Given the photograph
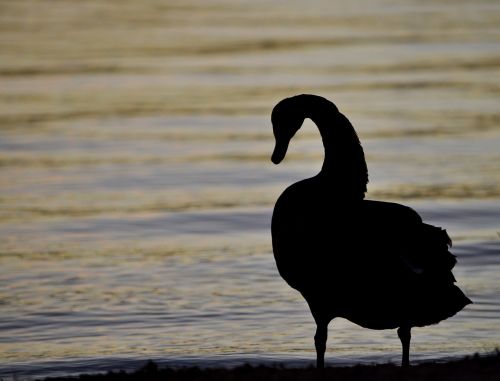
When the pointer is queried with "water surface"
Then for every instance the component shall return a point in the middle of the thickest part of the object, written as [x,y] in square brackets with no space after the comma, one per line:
[136,187]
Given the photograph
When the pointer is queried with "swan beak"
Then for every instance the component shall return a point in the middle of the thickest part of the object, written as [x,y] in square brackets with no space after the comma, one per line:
[279,152]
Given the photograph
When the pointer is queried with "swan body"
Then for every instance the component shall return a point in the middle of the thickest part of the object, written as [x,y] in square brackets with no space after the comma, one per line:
[374,263]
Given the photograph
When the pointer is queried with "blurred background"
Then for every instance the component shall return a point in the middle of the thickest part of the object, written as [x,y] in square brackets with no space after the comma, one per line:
[136,188]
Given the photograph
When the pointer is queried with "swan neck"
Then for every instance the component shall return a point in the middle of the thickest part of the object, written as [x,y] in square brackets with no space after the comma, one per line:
[344,164]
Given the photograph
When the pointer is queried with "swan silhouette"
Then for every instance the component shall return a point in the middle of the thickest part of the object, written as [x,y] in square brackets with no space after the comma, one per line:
[371,262]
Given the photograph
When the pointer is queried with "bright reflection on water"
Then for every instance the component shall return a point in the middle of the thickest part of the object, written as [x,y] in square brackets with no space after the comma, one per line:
[136,187]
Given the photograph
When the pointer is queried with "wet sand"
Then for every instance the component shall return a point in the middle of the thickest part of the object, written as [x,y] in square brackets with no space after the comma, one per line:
[485,367]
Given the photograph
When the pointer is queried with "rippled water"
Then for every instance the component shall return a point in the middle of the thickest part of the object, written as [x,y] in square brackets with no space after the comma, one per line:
[136,187]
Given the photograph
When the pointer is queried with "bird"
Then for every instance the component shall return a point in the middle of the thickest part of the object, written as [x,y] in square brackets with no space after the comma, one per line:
[374,263]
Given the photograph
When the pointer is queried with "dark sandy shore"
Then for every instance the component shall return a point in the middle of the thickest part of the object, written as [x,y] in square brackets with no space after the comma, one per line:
[486,367]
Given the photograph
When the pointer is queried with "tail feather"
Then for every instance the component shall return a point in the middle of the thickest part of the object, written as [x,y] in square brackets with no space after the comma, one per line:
[435,297]
[428,254]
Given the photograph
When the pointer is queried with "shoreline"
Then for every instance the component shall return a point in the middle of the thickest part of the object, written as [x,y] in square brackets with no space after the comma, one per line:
[475,367]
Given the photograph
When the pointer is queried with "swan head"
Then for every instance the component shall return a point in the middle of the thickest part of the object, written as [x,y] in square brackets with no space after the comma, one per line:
[287,118]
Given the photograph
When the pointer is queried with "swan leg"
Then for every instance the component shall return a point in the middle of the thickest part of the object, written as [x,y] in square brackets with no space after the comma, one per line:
[320,343]
[404,334]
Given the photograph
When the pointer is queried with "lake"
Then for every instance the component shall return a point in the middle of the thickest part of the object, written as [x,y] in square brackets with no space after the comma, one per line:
[136,187]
